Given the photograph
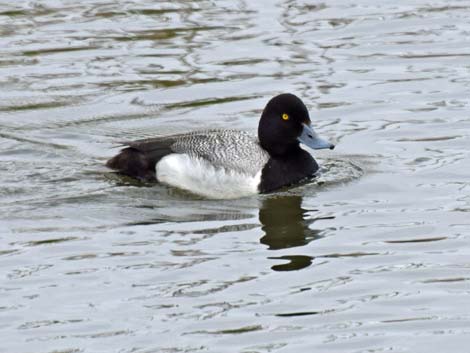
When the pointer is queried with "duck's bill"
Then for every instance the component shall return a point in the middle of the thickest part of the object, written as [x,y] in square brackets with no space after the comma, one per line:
[310,139]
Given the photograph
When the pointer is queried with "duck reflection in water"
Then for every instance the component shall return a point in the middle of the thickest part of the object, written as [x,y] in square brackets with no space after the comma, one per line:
[286,224]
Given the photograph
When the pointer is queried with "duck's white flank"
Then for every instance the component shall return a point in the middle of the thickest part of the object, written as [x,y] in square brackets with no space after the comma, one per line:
[201,177]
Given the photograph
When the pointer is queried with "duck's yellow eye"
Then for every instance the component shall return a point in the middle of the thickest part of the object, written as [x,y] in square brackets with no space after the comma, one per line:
[285,116]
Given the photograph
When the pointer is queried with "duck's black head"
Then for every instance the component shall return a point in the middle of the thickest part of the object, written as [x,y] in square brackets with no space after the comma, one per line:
[285,123]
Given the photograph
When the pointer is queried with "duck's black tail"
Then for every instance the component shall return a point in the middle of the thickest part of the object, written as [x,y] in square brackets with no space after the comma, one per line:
[134,163]
[140,157]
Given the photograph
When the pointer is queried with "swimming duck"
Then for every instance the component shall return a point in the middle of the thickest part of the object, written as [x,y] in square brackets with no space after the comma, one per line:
[226,164]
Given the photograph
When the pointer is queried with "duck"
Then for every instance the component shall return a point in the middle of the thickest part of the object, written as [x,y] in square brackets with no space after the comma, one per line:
[229,163]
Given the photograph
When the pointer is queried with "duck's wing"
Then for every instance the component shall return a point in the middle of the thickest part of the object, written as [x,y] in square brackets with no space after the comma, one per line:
[230,149]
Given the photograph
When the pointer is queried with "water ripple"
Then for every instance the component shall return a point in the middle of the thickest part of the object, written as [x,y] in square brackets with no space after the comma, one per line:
[372,250]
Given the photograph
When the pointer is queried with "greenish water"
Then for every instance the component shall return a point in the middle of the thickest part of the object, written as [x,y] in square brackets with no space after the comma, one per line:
[372,257]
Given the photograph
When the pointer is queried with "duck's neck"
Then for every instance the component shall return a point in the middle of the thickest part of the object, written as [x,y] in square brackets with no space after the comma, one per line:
[287,169]
[281,150]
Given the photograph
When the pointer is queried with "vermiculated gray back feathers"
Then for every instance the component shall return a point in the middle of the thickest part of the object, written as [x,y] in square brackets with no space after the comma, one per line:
[230,149]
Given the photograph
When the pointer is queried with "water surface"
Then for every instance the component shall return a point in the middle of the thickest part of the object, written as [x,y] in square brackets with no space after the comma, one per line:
[372,257]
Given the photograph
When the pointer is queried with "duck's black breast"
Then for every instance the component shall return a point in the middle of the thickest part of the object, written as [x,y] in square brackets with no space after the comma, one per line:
[287,170]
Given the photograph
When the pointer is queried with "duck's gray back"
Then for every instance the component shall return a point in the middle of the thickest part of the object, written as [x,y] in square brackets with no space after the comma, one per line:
[230,149]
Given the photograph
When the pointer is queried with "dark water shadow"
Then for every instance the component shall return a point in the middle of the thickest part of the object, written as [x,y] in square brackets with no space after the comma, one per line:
[284,222]
[286,225]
